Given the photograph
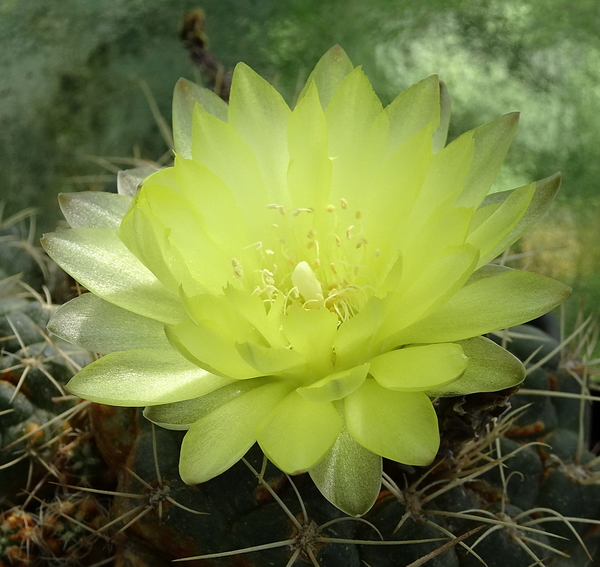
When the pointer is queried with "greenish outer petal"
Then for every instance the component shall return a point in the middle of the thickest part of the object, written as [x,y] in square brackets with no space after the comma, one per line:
[401,426]
[129,180]
[221,438]
[349,475]
[98,260]
[490,303]
[545,191]
[99,326]
[335,386]
[297,432]
[182,415]
[185,97]
[94,209]
[419,368]
[491,368]
[328,73]
[492,141]
[142,378]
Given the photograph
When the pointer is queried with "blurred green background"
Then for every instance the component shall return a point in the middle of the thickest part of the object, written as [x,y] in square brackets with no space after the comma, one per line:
[72,75]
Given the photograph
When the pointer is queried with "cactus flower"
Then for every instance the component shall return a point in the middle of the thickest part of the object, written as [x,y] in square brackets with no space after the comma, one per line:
[308,278]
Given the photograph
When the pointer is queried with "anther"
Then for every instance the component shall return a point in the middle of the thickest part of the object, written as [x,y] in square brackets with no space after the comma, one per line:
[330,208]
[344,203]
[274,225]
[377,253]
[280,208]
[358,214]
[349,232]
[338,241]
[332,266]
[311,233]
[237,268]
[269,252]
[303,210]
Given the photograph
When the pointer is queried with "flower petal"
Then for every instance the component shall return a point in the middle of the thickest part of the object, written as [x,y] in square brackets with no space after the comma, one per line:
[182,415]
[185,97]
[491,368]
[545,191]
[414,109]
[440,280]
[419,368]
[490,236]
[328,73]
[129,180]
[260,116]
[309,170]
[492,141]
[335,386]
[98,260]
[177,227]
[94,209]
[213,201]
[220,148]
[349,475]
[221,438]
[444,182]
[498,299]
[316,345]
[269,360]
[99,326]
[298,432]
[355,337]
[401,426]
[142,378]
[208,346]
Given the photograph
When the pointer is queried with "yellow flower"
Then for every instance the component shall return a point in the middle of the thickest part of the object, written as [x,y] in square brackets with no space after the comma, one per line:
[308,278]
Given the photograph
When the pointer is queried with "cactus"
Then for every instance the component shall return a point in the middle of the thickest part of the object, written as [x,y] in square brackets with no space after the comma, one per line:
[513,473]
[44,435]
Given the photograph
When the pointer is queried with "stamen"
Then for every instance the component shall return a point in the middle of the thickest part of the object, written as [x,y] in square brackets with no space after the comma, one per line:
[280,208]
[237,268]
[330,208]
[344,203]
[338,240]
[349,232]
[302,210]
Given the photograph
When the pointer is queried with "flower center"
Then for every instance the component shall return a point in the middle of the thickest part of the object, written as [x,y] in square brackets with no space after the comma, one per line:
[313,257]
